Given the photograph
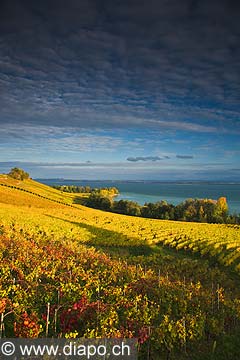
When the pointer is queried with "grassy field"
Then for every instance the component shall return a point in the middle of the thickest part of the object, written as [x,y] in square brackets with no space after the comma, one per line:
[174,285]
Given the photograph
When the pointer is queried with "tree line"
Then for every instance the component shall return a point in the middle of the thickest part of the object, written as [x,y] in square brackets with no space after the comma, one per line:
[111,191]
[197,210]
[73,188]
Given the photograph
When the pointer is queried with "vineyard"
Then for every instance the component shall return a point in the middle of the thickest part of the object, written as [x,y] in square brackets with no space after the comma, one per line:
[72,271]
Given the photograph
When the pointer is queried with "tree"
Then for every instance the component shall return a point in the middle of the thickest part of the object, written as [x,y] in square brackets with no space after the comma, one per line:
[127,207]
[191,213]
[201,214]
[221,210]
[18,174]
[98,201]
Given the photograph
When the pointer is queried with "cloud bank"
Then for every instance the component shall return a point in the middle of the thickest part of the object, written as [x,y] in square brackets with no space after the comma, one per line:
[160,64]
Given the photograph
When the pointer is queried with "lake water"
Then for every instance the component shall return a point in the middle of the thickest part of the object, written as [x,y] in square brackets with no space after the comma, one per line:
[172,192]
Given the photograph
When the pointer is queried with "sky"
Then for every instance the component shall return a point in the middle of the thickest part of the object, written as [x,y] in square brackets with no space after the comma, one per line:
[120,89]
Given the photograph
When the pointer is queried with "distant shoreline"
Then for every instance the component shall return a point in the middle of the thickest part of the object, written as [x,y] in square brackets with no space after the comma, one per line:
[182,182]
[173,192]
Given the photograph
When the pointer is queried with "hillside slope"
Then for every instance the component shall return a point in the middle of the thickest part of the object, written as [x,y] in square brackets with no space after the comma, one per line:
[158,281]
[216,240]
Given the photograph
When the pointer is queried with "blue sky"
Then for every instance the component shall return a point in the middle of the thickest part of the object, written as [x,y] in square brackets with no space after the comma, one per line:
[120,90]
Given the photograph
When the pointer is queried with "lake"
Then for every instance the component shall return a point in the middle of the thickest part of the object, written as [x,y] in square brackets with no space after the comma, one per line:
[172,192]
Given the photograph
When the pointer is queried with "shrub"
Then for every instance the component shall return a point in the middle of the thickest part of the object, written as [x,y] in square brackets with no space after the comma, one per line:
[18,174]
